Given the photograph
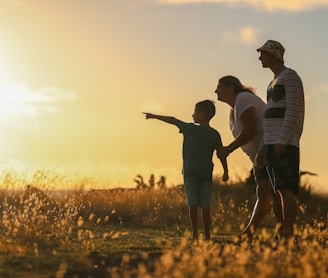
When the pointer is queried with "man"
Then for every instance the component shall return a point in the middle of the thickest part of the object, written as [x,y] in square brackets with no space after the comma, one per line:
[283,126]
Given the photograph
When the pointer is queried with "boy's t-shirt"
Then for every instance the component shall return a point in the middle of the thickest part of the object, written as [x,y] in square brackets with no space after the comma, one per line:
[199,143]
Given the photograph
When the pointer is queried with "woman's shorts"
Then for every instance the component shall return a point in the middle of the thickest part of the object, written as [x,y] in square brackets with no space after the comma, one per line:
[198,192]
[284,170]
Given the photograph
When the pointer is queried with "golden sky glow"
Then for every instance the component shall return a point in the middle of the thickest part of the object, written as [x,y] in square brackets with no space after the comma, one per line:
[76,75]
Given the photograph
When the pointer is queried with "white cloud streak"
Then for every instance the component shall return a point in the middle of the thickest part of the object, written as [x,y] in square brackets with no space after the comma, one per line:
[266,5]
[262,5]
[19,100]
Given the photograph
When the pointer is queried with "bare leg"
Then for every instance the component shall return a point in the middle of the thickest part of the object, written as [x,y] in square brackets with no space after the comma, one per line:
[279,213]
[206,217]
[290,213]
[193,216]
[261,208]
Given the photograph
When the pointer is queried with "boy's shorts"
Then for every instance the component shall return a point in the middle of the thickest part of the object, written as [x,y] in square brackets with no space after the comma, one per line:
[198,192]
[284,170]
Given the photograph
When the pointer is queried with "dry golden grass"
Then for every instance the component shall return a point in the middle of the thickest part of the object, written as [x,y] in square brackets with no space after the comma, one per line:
[143,233]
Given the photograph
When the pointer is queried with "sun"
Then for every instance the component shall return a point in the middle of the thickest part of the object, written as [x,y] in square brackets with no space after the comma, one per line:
[12,102]
[14,99]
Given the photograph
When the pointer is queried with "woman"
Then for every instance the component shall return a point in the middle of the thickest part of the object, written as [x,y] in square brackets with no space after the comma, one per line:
[246,118]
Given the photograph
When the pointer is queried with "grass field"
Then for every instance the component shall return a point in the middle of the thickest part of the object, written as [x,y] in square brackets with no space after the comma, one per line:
[144,233]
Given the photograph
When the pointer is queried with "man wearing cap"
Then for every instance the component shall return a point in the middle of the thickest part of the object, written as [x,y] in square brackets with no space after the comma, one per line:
[283,126]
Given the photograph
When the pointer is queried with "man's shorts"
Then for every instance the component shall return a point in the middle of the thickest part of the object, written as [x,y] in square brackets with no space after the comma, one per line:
[260,173]
[198,192]
[284,171]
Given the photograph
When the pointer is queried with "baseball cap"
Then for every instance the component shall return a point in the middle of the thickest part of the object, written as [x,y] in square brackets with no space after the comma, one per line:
[275,48]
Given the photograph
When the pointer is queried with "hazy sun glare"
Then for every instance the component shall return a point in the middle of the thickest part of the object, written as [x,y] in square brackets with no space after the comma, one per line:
[14,102]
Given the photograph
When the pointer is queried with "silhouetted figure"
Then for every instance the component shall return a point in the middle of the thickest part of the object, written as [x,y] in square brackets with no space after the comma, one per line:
[246,125]
[283,127]
[199,143]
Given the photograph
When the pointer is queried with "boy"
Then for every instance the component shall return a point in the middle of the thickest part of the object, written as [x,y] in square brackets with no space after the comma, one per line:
[199,143]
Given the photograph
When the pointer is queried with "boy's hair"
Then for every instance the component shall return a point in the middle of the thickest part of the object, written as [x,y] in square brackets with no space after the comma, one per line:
[207,107]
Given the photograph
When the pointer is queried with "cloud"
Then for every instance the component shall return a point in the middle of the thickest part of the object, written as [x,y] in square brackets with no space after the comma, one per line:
[53,94]
[19,100]
[262,5]
[266,5]
[247,35]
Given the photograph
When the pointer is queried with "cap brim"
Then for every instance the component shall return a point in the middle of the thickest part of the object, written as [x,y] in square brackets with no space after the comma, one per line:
[261,49]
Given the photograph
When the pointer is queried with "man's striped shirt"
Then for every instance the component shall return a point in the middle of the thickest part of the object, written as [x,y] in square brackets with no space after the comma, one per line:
[284,114]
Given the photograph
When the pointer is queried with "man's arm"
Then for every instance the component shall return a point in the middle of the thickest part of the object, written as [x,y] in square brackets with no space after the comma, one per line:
[294,104]
[166,119]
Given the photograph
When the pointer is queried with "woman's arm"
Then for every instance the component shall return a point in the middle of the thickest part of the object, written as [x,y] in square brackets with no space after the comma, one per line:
[248,118]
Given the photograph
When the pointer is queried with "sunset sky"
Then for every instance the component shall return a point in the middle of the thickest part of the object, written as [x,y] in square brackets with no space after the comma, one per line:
[76,75]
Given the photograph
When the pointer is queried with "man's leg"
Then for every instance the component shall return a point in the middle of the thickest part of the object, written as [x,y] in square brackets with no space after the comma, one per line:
[287,181]
[290,208]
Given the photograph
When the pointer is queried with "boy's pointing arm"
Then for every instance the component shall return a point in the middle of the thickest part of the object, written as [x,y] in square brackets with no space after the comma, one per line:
[166,119]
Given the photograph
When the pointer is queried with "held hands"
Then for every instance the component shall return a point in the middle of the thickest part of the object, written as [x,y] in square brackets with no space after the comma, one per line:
[225,176]
[222,154]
